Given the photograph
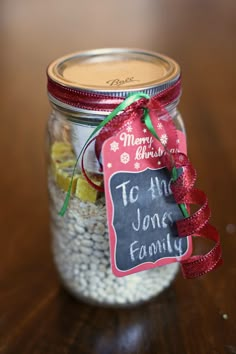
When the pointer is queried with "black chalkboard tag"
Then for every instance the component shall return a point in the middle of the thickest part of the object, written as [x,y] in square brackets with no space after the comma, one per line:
[141,210]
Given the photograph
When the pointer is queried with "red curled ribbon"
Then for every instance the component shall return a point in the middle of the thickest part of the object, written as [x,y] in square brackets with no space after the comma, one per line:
[183,189]
[198,223]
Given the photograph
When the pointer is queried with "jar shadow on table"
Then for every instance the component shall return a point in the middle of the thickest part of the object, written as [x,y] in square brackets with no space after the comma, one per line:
[110,330]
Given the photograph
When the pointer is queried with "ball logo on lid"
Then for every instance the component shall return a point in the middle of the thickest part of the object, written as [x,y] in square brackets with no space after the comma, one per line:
[120,82]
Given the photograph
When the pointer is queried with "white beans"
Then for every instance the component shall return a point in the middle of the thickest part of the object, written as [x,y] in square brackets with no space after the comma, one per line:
[81,252]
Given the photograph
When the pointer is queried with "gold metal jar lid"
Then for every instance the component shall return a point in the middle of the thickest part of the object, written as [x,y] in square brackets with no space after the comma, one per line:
[115,72]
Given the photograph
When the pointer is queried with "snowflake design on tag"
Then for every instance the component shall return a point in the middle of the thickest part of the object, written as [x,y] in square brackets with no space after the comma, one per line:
[145,130]
[159,126]
[114,146]
[129,128]
[124,158]
[164,139]
[137,165]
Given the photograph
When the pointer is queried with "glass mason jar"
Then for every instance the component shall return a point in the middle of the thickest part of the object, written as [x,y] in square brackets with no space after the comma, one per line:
[80,237]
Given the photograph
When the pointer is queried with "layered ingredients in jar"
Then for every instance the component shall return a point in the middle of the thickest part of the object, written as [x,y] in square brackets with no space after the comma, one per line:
[80,237]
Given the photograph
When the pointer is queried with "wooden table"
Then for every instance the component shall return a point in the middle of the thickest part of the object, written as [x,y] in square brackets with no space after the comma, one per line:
[36,315]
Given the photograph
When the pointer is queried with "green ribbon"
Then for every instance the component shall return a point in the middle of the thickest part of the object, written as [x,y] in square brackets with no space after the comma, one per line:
[147,120]
[126,103]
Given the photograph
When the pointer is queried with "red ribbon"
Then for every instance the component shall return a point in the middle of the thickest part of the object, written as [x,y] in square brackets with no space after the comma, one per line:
[103,102]
[183,189]
[198,223]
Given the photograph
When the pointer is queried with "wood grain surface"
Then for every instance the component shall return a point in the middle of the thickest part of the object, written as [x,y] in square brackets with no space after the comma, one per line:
[36,315]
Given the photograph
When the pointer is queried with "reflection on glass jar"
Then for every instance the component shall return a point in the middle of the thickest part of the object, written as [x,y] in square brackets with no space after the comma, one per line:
[80,237]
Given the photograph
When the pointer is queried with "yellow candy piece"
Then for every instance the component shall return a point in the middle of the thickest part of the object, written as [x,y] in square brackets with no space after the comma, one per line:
[63,162]
[60,147]
[85,192]
[62,157]
[67,161]
[63,178]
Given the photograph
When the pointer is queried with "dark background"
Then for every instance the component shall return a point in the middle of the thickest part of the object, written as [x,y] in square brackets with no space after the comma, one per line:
[36,315]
